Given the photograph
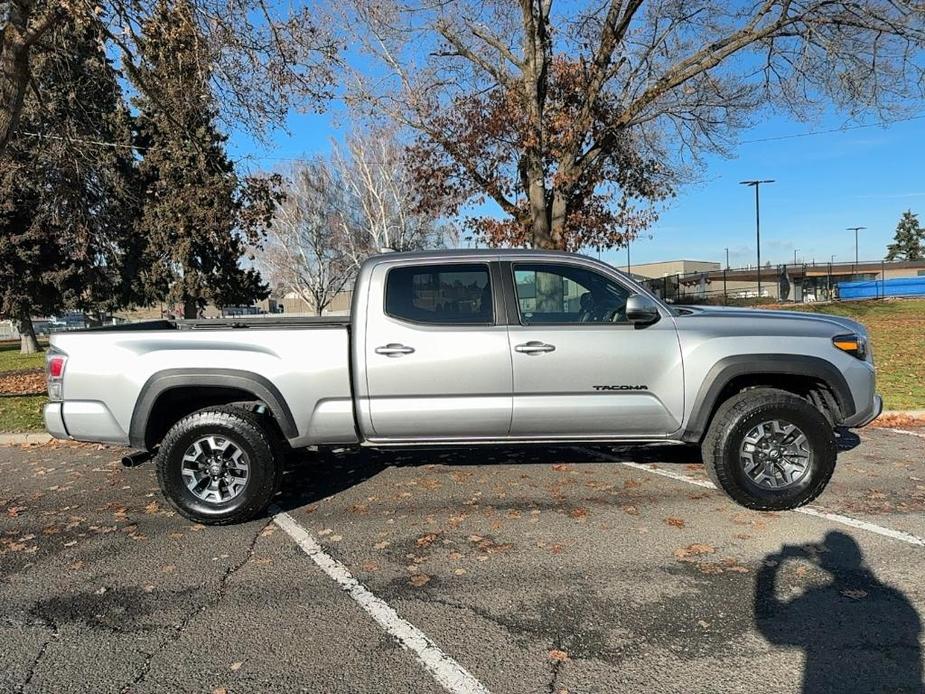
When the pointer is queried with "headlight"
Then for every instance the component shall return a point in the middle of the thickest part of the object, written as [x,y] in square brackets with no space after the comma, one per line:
[853,344]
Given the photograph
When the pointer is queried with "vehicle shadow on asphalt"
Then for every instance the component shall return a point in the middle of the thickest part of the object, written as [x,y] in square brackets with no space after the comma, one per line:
[310,476]
[857,633]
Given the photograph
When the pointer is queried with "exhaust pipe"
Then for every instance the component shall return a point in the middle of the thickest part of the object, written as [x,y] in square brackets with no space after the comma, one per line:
[137,458]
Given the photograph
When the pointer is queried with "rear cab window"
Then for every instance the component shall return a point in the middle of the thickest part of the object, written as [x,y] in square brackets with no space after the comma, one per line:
[445,294]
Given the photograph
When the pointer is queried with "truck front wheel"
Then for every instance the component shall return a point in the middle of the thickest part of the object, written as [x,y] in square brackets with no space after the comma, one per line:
[769,450]
[219,466]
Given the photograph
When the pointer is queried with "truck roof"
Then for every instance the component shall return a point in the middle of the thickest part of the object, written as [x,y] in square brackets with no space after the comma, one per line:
[483,252]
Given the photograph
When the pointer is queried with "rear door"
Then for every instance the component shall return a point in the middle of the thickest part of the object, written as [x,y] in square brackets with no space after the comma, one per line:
[580,368]
[438,364]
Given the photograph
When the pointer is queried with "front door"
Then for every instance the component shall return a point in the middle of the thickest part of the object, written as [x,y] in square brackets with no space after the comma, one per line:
[438,365]
[580,368]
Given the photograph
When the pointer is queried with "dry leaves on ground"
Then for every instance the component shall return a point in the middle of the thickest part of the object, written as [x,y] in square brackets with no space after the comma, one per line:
[27,382]
[694,550]
[419,579]
[856,594]
[558,656]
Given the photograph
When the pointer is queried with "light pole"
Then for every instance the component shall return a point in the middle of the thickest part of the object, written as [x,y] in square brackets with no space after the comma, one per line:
[727,258]
[756,184]
[795,255]
[855,230]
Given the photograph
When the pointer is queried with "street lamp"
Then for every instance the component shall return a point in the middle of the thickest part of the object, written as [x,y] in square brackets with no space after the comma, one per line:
[727,258]
[795,255]
[855,230]
[756,184]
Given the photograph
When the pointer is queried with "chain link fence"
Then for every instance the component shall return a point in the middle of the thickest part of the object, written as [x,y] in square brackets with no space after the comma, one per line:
[792,282]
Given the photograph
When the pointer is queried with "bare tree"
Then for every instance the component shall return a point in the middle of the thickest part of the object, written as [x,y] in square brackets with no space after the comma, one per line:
[306,250]
[573,119]
[263,60]
[386,197]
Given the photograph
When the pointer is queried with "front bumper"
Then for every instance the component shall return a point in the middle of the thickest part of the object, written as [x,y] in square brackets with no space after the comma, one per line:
[54,421]
[866,416]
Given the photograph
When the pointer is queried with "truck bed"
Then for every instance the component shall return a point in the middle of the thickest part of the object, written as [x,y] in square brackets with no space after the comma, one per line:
[233,322]
[116,375]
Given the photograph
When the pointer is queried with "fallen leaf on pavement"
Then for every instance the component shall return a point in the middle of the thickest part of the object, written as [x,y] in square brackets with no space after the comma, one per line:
[675,522]
[419,580]
[558,656]
[427,540]
[854,594]
[694,550]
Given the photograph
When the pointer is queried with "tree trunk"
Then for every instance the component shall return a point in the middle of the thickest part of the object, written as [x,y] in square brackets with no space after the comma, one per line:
[190,309]
[549,293]
[557,227]
[14,79]
[28,344]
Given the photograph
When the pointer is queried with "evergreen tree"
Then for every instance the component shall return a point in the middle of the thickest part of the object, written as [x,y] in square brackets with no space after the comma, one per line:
[194,203]
[909,241]
[66,200]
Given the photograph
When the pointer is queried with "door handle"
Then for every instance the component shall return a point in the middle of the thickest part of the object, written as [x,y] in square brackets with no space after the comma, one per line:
[393,349]
[534,347]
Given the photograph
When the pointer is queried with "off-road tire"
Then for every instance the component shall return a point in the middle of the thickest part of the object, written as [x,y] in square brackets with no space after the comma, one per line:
[250,431]
[736,417]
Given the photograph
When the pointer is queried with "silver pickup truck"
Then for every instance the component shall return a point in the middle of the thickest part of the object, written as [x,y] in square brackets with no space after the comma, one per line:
[470,347]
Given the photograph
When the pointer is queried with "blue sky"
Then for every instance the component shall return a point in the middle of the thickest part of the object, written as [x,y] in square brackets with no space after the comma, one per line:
[824,183]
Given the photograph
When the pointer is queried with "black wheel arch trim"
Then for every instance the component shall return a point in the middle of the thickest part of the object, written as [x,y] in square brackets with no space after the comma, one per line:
[170,379]
[734,366]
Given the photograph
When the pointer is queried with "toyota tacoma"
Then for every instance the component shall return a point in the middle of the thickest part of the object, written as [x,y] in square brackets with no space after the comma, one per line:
[472,347]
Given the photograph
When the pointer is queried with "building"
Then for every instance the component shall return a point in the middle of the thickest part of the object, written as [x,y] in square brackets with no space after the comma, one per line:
[687,280]
[695,280]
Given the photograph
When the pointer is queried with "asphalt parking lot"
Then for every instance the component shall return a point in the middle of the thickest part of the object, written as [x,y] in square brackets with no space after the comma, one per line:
[499,569]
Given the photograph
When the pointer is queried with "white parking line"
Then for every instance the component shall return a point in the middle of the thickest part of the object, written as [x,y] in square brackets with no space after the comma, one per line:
[891,533]
[448,673]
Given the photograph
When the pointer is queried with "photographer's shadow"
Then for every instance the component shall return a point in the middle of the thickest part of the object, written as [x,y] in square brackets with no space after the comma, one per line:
[858,634]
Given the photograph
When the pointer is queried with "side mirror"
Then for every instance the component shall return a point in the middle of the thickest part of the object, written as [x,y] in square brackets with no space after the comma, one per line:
[641,310]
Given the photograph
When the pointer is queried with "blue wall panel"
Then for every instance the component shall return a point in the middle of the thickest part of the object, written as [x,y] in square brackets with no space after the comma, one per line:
[872,289]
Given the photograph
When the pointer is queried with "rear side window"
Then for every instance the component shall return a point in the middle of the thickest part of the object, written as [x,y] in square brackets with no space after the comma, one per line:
[457,294]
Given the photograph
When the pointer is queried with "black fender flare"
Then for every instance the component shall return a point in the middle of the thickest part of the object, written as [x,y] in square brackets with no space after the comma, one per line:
[169,379]
[732,367]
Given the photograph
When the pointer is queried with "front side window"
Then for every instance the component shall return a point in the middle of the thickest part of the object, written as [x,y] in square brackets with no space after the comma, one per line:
[456,294]
[566,294]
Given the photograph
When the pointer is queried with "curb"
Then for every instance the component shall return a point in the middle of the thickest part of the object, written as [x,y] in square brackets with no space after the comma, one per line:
[32,437]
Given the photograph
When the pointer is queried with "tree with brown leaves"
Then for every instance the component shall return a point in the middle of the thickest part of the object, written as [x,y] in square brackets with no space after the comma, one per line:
[574,120]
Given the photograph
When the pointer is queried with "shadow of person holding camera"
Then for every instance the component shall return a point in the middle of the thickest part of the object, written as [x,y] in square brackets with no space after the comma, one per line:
[858,634]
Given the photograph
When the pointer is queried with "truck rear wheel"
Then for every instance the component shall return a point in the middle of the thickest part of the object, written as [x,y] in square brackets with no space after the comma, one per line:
[769,450]
[219,465]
